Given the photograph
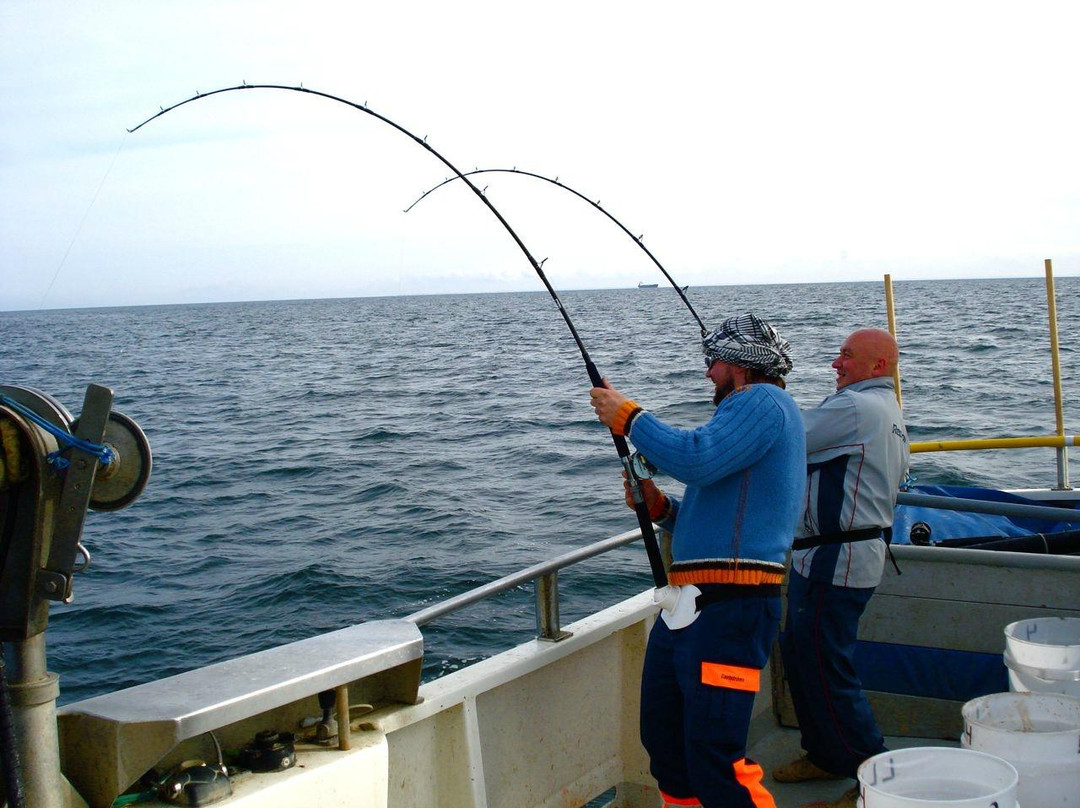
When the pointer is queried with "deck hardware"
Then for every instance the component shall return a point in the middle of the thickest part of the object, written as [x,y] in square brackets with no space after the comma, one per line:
[118,484]
[55,578]
[920,533]
[341,705]
[195,783]
[270,752]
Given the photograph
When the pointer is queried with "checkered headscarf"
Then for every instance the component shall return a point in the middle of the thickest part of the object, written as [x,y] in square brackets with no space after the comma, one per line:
[748,342]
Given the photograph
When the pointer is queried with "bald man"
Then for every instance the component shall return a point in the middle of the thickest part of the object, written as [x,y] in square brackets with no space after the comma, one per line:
[856,458]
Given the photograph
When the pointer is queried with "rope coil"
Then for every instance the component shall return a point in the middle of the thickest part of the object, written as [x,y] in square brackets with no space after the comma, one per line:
[103,453]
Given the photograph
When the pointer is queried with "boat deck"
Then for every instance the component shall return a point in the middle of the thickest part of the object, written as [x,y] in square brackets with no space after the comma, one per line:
[780,744]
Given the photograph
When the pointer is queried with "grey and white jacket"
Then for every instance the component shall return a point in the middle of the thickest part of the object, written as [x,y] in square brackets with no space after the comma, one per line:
[856,459]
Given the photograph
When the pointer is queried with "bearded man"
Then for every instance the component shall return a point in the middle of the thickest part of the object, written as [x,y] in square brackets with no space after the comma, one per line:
[745,474]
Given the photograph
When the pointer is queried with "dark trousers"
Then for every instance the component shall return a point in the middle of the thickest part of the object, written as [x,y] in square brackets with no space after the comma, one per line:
[697,694]
[818,649]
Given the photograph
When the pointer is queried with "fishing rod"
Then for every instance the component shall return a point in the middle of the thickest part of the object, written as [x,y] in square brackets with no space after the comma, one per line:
[636,239]
[652,547]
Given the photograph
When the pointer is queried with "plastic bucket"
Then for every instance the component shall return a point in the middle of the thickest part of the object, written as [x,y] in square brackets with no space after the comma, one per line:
[1043,655]
[1039,734]
[936,775]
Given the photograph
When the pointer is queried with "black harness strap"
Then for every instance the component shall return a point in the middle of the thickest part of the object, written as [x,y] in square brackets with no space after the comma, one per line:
[841,537]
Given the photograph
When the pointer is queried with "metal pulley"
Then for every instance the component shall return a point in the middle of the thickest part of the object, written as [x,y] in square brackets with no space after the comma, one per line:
[119,483]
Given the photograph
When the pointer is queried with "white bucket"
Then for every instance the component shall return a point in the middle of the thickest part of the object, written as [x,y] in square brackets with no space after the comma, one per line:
[1043,655]
[936,775]
[1039,734]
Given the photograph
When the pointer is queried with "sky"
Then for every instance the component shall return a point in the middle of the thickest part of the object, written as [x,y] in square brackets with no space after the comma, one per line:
[770,142]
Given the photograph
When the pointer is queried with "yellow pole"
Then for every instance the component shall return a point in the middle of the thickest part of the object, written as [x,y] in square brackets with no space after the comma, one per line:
[1051,303]
[1027,442]
[1059,409]
[891,311]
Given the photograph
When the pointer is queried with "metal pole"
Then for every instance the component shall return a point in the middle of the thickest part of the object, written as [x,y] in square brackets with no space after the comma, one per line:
[547,608]
[891,312]
[33,697]
[341,704]
[1059,410]
[1050,513]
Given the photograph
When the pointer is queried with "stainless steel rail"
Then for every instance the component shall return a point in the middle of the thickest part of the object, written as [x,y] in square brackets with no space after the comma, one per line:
[546,576]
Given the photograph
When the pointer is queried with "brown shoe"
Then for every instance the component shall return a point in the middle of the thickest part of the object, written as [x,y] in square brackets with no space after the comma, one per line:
[849,799]
[800,770]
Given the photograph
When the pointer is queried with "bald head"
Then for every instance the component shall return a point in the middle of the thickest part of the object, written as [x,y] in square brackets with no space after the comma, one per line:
[866,354]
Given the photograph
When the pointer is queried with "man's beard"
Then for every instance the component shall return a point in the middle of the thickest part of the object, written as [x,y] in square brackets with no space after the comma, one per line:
[720,393]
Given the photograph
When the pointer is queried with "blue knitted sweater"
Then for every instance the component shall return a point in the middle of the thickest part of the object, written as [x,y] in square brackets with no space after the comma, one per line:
[745,475]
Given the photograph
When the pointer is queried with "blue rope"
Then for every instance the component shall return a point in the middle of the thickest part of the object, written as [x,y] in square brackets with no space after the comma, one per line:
[103,453]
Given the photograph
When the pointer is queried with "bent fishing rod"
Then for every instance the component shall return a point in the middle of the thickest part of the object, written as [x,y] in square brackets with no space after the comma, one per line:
[636,239]
[652,547]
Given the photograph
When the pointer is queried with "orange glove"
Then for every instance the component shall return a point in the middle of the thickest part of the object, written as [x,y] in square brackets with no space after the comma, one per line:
[655,499]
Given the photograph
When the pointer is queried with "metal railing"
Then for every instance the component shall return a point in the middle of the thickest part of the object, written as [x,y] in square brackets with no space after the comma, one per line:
[545,575]
[1048,512]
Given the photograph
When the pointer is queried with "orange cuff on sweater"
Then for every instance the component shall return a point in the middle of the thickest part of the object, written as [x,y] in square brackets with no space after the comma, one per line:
[623,416]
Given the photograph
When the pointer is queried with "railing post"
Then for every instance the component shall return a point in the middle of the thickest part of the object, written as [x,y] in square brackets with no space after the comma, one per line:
[1059,410]
[890,312]
[1063,469]
[547,608]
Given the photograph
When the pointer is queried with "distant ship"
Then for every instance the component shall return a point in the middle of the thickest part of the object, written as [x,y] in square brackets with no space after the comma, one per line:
[647,286]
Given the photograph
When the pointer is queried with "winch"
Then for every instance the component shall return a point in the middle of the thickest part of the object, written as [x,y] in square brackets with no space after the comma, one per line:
[53,467]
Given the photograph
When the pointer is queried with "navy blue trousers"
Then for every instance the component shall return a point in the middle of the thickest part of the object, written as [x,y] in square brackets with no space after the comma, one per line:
[697,694]
[818,649]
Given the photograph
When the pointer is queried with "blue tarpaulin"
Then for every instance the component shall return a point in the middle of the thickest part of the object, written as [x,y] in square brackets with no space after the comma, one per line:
[961,524]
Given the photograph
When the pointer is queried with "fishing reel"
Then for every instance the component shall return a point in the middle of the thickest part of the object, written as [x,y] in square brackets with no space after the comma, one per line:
[641,467]
[53,467]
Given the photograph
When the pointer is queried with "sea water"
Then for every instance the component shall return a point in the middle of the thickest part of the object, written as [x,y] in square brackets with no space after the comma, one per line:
[325,462]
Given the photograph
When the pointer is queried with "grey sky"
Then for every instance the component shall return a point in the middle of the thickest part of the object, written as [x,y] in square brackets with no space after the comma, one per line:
[748,142]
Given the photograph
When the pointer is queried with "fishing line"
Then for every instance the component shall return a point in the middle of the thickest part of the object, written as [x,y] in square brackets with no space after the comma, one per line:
[636,239]
[652,548]
[78,229]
